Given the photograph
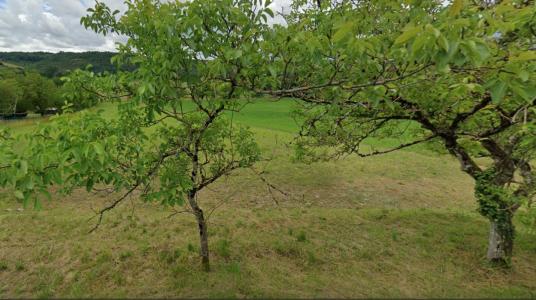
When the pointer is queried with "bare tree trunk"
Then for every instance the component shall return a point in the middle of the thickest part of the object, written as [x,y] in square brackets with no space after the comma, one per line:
[203,237]
[203,232]
[501,242]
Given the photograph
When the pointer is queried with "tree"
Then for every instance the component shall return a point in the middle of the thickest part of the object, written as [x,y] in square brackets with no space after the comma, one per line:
[171,137]
[460,76]
[9,96]
[38,92]
[83,89]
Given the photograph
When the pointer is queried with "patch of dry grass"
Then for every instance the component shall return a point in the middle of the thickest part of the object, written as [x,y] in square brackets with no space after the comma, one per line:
[268,251]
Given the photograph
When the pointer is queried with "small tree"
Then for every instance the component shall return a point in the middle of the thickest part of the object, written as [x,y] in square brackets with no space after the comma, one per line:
[37,93]
[171,137]
[460,76]
[9,96]
[83,89]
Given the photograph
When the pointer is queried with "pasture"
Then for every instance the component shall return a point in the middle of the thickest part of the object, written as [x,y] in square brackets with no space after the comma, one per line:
[399,225]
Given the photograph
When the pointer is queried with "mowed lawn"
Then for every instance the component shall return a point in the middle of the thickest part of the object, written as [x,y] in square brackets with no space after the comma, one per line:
[398,225]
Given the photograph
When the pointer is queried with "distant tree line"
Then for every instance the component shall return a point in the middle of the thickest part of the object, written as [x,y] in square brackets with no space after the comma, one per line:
[23,92]
[55,65]
[28,92]
[32,81]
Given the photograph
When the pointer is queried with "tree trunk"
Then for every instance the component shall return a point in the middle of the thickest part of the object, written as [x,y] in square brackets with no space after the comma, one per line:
[501,241]
[203,237]
[203,232]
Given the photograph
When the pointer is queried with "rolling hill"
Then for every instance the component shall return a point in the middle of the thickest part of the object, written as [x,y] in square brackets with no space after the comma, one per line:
[58,64]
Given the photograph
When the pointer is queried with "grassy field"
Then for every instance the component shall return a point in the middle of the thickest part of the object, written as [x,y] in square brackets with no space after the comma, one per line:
[399,225]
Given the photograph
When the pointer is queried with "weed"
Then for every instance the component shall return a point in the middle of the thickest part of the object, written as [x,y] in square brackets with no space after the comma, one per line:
[19,266]
[3,266]
[291,250]
[125,255]
[118,279]
[302,237]
[85,258]
[233,268]
[191,247]
[104,257]
[222,248]
[145,250]
[311,258]
[394,234]
[169,257]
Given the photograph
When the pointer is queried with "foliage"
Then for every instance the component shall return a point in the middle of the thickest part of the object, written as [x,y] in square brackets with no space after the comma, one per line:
[461,76]
[39,92]
[28,92]
[9,94]
[155,146]
[84,89]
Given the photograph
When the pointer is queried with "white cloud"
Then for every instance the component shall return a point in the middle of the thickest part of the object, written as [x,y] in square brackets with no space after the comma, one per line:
[50,25]
[54,25]
[23,18]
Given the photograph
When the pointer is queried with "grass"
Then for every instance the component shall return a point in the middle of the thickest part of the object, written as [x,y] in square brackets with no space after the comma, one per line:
[399,225]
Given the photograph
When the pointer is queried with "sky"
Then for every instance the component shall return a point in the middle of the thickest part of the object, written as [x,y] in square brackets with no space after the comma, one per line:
[54,25]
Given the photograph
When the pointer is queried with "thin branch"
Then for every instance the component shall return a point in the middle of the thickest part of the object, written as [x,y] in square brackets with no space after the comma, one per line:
[402,146]
[112,206]
[332,83]
[270,185]
[176,212]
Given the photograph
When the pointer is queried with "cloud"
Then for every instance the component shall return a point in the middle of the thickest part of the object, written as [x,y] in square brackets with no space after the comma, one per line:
[54,25]
[50,25]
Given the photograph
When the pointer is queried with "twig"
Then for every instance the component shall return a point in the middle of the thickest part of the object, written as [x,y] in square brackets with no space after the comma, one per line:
[112,206]
[396,148]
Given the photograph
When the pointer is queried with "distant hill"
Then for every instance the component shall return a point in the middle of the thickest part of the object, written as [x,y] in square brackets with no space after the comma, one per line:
[58,64]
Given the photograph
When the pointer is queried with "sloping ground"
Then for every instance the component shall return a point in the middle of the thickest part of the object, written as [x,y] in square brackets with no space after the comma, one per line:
[400,225]
[58,64]
[8,70]
[8,65]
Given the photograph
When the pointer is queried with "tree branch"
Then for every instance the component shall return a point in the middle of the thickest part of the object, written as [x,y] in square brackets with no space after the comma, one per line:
[402,146]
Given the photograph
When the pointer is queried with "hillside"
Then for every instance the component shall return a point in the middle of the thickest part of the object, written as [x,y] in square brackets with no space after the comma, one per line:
[58,64]
[8,70]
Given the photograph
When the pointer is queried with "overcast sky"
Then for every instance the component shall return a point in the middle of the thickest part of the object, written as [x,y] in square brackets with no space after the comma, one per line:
[54,25]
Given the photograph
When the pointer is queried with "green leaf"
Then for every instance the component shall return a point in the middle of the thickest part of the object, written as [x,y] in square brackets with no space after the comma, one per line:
[343,31]
[524,56]
[432,30]
[23,167]
[273,71]
[47,195]
[19,195]
[89,184]
[456,8]
[408,34]
[498,90]
[269,12]
[443,43]
[37,204]
[98,149]
[523,75]
[419,43]
[141,89]
[525,91]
